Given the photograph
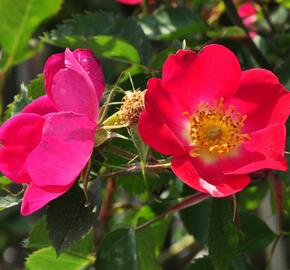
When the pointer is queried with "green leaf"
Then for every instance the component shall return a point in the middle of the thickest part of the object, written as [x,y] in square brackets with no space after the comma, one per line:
[101,31]
[226,32]
[223,235]
[19,20]
[4,181]
[36,87]
[200,264]
[39,236]
[103,46]
[45,259]
[20,101]
[77,216]
[256,235]
[196,220]
[8,201]
[118,251]
[172,23]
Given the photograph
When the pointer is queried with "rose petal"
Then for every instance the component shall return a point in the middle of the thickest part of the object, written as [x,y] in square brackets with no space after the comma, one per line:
[65,148]
[93,68]
[42,106]
[53,64]
[35,198]
[265,150]
[212,74]
[130,2]
[208,178]
[19,136]
[262,98]
[156,133]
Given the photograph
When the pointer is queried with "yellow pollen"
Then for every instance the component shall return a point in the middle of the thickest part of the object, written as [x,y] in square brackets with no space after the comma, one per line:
[216,129]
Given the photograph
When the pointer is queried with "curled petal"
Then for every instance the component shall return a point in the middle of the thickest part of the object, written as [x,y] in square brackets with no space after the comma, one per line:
[42,106]
[65,148]
[211,74]
[93,68]
[35,198]
[265,150]
[208,178]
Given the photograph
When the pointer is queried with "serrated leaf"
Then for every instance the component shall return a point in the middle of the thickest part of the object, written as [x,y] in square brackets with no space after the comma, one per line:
[36,87]
[118,251]
[39,236]
[256,235]
[172,23]
[19,20]
[77,216]
[223,235]
[103,28]
[46,259]
[20,101]
[8,201]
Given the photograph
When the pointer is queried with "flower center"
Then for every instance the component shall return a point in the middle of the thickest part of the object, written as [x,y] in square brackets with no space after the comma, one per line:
[216,129]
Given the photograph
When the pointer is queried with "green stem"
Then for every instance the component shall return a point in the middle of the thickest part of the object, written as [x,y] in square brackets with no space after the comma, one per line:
[189,201]
[236,20]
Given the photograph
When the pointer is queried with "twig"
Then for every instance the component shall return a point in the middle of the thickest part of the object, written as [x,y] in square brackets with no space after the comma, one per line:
[236,20]
[189,201]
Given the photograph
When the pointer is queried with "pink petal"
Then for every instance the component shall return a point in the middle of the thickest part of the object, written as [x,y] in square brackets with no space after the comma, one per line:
[42,106]
[93,68]
[19,136]
[262,98]
[65,148]
[158,104]
[247,9]
[35,198]
[72,92]
[210,75]
[207,178]
[156,133]
[265,150]
[130,2]
[53,64]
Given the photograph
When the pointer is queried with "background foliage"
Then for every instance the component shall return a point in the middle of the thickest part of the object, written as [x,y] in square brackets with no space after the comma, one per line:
[105,229]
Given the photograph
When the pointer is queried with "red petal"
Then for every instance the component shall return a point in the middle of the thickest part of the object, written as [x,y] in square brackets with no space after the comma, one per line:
[265,150]
[65,148]
[130,2]
[210,75]
[207,178]
[156,133]
[42,106]
[35,198]
[262,98]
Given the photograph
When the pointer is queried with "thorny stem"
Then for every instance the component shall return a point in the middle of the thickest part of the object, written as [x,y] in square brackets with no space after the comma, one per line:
[106,206]
[137,167]
[187,202]
[236,20]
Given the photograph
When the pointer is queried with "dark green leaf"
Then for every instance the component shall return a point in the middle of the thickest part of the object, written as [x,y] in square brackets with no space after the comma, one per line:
[46,259]
[39,236]
[36,87]
[172,23]
[256,235]
[92,29]
[70,217]
[118,251]
[196,220]
[19,20]
[223,235]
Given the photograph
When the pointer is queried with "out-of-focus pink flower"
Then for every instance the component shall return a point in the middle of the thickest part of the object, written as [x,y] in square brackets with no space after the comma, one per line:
[130,2]
[217,122]
[49,143]
[248,12]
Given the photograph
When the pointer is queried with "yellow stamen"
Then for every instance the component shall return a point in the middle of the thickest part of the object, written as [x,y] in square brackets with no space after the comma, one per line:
[216,129]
